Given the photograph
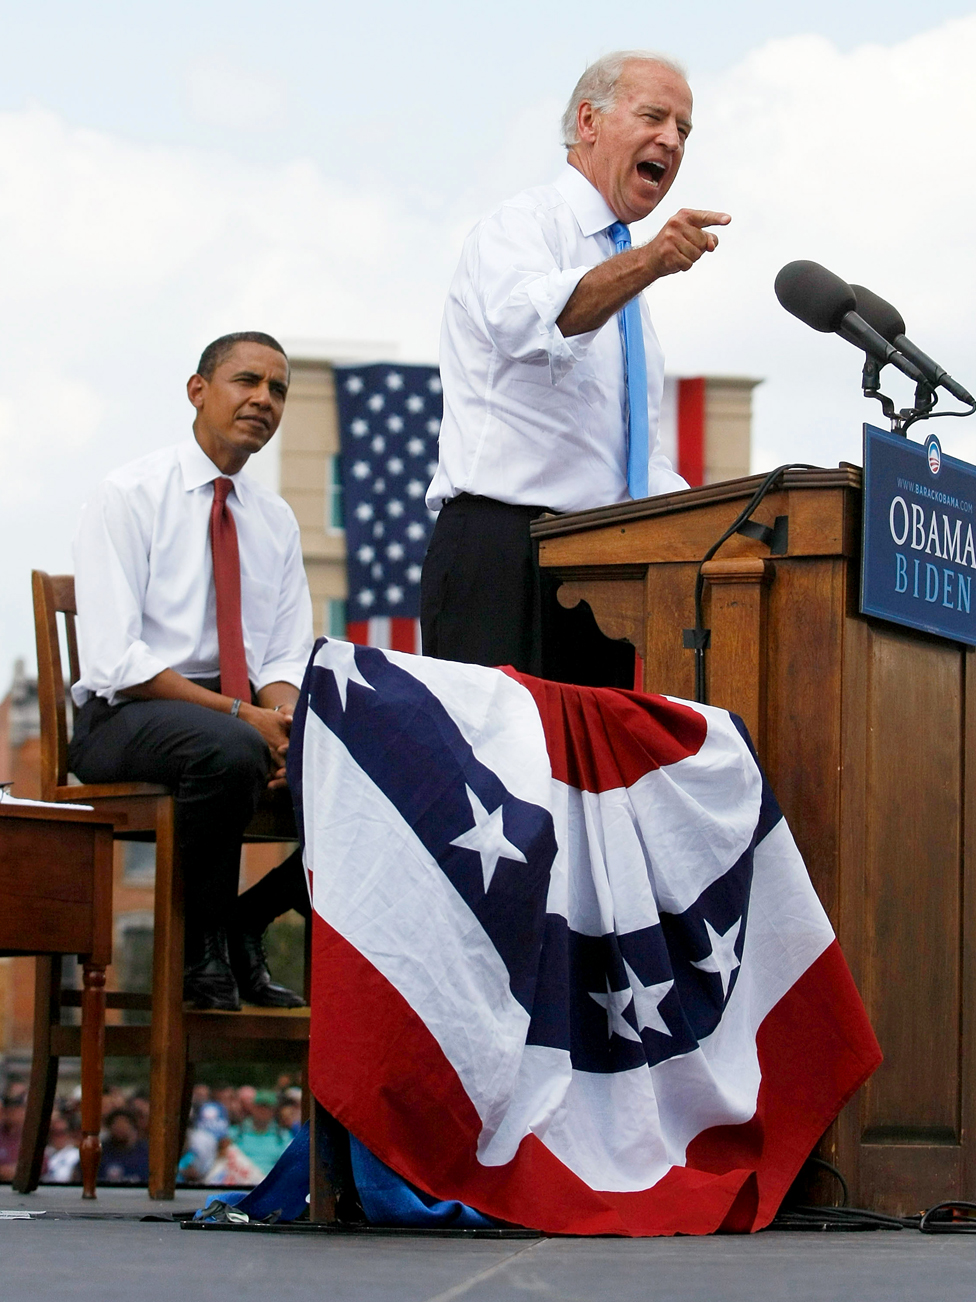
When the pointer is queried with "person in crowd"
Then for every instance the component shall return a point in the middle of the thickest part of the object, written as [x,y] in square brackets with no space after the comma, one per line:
[232,1167]
[209,1126]
[246,1095]
[139,1107]
[289,1117]
[552,374]
[113,1098]
[200,1094]
[62,1155]
[11,1128]
[125,1157]
[259,1137]
[194,628]
[227,1097]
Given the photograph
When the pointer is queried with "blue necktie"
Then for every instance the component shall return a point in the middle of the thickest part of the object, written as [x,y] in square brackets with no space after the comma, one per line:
[635,371]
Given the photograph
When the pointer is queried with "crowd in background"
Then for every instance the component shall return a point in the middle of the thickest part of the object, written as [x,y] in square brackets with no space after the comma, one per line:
[234,1136]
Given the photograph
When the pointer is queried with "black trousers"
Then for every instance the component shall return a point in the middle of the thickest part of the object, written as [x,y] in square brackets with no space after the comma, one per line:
[484,600]
[217,767]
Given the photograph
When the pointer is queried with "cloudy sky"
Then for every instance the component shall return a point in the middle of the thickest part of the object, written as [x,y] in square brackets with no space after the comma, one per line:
[169,172]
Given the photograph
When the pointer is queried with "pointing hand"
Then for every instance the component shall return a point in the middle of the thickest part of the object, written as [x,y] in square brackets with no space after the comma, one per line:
[682,240]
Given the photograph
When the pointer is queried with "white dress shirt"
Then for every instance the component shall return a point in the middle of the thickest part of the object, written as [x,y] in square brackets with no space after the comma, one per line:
[531,417]
[144,577]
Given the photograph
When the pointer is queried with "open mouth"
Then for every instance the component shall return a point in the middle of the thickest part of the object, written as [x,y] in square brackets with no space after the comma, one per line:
[653,172]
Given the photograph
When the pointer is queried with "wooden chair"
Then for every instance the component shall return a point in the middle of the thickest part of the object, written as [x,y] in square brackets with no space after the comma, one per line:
[177,1037]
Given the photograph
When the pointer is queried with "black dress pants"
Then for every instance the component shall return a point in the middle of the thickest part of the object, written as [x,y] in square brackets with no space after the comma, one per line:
[484,600]
[218,767]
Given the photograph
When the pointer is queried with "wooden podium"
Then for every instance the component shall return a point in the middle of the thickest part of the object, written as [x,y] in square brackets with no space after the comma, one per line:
[868,734]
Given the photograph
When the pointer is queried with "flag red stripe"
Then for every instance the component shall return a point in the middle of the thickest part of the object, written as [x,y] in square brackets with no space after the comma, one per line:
[691,430]
[600,739]
[376,1067]
[403,635]
[357,630]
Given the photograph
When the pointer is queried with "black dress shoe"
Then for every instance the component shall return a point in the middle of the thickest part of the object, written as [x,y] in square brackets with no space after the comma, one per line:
[250,967]
[208,981]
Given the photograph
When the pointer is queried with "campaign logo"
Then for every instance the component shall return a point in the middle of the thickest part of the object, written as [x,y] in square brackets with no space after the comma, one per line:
[934,454]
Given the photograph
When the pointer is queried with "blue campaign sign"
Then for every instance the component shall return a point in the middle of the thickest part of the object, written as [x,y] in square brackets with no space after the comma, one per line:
[919,557]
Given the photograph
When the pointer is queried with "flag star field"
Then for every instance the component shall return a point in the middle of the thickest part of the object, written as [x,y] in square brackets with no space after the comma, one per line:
[389,419]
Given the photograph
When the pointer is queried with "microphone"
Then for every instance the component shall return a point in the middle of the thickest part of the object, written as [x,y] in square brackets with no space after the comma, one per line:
[825,302]
[888,322]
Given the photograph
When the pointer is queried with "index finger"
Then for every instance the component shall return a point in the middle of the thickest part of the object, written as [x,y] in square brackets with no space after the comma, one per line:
[701,219]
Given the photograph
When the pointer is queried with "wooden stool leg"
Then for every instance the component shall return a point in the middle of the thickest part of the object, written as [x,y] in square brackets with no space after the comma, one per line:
[44,1074]
[167,1033]
[92,1073]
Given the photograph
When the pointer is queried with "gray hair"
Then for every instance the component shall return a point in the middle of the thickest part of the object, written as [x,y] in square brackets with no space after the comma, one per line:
[598,84]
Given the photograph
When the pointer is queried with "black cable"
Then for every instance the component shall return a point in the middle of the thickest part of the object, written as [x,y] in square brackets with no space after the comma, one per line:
[934,415]
[940,1219]
[700,632]
[832,1170]
[944,1218]
[805,1217]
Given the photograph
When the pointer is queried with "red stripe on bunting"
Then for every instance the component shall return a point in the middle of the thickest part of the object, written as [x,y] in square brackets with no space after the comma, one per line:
[691,430]
[376,1067]
[357,630]
[601,739]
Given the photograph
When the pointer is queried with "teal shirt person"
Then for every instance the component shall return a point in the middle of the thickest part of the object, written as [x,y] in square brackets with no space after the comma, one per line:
[259,1136]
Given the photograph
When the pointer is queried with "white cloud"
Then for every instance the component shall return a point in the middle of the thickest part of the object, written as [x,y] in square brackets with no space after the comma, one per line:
[122,260]
[221,94]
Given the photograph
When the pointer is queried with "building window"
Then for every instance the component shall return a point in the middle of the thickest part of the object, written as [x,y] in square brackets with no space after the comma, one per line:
[134,960]
[334,520]
[335,617]
[140,863]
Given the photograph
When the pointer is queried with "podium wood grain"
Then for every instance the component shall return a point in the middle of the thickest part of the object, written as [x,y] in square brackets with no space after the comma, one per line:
[868,734]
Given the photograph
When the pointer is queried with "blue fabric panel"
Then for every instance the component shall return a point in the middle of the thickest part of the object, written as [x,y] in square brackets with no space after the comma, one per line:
[285,1187]
[388,1199]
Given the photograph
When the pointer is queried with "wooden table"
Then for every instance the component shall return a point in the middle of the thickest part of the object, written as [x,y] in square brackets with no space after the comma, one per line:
[56,899]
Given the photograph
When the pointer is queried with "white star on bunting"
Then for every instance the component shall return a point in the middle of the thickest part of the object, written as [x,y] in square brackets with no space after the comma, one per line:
[722,959]
[487,837]
[341,659]
[647,1002]
[616,1002]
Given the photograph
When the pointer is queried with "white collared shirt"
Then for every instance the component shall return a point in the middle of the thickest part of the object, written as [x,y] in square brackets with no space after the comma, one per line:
[531,417]
[144,577]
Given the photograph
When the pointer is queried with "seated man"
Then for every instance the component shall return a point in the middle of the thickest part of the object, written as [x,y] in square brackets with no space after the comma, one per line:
[194,626]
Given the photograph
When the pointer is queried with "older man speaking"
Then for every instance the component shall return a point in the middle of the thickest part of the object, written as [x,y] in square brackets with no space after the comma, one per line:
[551,404]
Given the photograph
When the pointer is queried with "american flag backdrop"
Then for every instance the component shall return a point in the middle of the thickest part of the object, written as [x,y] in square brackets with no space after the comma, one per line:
[389,418]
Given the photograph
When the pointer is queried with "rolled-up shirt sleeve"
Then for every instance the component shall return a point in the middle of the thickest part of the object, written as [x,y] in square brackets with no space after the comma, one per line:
[111,560]
[290,643]
[521,291]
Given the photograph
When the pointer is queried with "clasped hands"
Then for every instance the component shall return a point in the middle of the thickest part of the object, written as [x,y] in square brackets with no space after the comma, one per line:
[274,725]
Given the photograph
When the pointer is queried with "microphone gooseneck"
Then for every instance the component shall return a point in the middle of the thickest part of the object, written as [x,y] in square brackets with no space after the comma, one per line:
[888,322]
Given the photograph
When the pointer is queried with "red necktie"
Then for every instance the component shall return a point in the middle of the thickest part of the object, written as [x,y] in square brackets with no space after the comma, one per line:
[227,584]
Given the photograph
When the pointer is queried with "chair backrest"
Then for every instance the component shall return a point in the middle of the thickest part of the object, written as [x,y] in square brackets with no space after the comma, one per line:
[54,594]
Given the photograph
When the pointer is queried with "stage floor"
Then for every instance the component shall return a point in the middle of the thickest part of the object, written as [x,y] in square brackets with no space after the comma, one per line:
[103,1252]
